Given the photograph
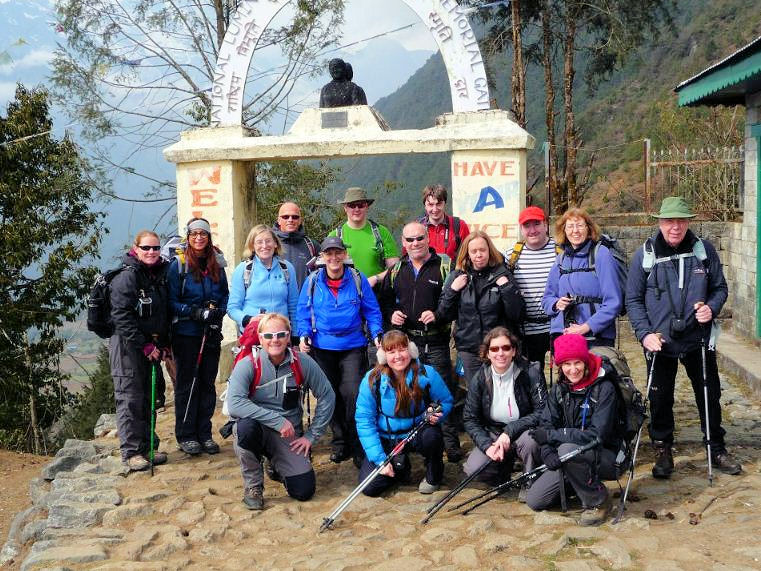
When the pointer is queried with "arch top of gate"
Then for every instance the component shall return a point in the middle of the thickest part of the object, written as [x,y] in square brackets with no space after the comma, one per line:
[445,20]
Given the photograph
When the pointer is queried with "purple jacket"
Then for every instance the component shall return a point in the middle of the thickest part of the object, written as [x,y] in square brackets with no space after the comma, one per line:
[601,284]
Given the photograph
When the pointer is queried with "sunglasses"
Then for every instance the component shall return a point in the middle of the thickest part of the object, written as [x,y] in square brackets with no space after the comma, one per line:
[290,216]
[356,204]
[275,335]
[411,239]
[148,248]
[505,348]
[198,234]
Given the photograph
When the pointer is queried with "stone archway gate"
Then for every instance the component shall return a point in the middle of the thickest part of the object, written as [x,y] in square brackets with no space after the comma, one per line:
[488,150]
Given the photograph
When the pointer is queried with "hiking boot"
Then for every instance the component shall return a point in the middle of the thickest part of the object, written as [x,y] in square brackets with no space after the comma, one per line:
[253,498]
[596,515]
[425,488]
[269,469]
[210,447]
[664,461]
[159,458]
[455,454]
[726,463]
[137,463]
[191,447]
[338,456]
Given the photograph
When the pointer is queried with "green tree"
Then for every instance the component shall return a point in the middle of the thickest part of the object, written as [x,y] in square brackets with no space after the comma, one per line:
[599,33]
[47,234]
[97,398]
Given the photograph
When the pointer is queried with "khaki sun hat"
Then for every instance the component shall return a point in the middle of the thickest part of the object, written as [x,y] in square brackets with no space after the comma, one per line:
[674,207]
[355,194]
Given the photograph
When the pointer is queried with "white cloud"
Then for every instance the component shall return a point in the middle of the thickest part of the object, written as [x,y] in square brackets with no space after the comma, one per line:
[7,93]
[35,58]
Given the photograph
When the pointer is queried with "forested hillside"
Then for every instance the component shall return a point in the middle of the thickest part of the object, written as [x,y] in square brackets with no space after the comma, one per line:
[635,102]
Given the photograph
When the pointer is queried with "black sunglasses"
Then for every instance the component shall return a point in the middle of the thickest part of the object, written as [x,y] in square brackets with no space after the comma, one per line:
[359,204]
[505,348]
[412,239]
[147,248]
[290,216]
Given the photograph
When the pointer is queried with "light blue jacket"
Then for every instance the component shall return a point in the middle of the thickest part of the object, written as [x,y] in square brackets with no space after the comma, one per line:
[374,424]
[268,290]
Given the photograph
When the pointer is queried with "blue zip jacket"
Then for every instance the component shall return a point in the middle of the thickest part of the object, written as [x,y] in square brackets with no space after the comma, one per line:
[602,283]
[338,321]
[195,294]
[267,291]
[371,423]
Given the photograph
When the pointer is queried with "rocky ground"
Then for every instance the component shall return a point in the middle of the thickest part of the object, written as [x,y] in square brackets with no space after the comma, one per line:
[189,514]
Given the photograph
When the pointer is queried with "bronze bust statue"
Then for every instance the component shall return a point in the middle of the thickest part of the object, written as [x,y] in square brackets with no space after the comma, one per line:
[342,91]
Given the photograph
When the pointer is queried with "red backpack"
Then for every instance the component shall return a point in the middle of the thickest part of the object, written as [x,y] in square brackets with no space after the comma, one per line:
[249,345]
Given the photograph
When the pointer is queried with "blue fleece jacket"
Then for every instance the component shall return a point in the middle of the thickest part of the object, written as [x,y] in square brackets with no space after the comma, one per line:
[338,320]
[601,283]
[268,290]
[372,423]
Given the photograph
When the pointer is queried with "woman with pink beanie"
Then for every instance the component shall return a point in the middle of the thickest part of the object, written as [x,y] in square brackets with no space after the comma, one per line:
[581,407]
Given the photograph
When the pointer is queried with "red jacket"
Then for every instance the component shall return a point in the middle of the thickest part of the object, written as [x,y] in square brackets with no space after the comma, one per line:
[447,236]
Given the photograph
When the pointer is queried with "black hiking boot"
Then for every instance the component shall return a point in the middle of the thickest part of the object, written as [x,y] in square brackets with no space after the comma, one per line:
[664,461]
[726,463]
[253,498]
[596,515]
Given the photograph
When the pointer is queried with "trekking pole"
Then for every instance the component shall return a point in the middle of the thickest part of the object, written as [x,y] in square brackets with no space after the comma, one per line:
[197,367]
[433,510]
[153,405]
[524,478]
[703,343]
[327,522]
[622,505]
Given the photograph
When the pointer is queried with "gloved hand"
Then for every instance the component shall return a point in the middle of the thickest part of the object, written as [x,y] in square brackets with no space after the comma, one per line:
[207,314]
[149,349]
[245,321]
[550,457]
[540,436]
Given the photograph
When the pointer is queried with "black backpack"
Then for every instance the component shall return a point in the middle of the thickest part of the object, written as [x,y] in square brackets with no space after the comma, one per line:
[99,304]
[630,402]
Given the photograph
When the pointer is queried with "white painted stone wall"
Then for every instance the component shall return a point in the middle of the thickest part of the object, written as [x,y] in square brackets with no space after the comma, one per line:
[740,249]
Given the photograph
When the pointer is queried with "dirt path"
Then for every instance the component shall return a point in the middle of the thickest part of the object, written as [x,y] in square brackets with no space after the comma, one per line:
[189,515]
[16,469]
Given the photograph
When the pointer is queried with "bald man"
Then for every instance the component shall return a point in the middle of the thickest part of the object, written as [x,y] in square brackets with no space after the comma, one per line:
[409,297]
[297,247]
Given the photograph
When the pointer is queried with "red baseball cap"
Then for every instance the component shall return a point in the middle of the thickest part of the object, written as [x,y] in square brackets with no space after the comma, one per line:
[531,213]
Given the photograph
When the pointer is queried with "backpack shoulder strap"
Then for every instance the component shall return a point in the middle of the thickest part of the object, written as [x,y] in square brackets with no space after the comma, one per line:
[378,242]
[298,371]
[699,249]
[515,254]
[310,297]
[357,276]
[256,363]
[183,266]
[445,267]
[284,270]
[395,272]
[311,246]
[648,256]
[247,271]
[457,225]
[340,232]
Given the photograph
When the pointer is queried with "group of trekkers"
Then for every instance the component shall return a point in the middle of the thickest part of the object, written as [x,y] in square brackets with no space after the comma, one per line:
[367,331]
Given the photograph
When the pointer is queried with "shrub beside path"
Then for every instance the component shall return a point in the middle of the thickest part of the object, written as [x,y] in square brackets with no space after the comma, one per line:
[190,515]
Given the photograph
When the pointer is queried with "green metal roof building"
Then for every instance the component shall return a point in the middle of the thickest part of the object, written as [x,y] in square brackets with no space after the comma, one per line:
[736,80]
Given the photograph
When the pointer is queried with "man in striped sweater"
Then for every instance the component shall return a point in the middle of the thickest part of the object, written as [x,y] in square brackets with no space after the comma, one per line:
[530,261]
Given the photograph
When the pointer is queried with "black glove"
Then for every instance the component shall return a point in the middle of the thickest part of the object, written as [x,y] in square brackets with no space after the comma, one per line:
[207,314]
[540,436]
[550,457]
[245,321]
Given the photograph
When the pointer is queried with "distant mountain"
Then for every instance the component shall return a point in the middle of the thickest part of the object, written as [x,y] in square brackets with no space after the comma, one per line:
[618,112]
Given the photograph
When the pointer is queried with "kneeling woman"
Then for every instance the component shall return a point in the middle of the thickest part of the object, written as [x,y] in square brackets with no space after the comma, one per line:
[505,399]
[269,413]
[393,398]
[581,407]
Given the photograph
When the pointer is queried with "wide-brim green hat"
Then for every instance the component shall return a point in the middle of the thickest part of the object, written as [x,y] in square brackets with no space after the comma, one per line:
[674,207]
[355,194]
